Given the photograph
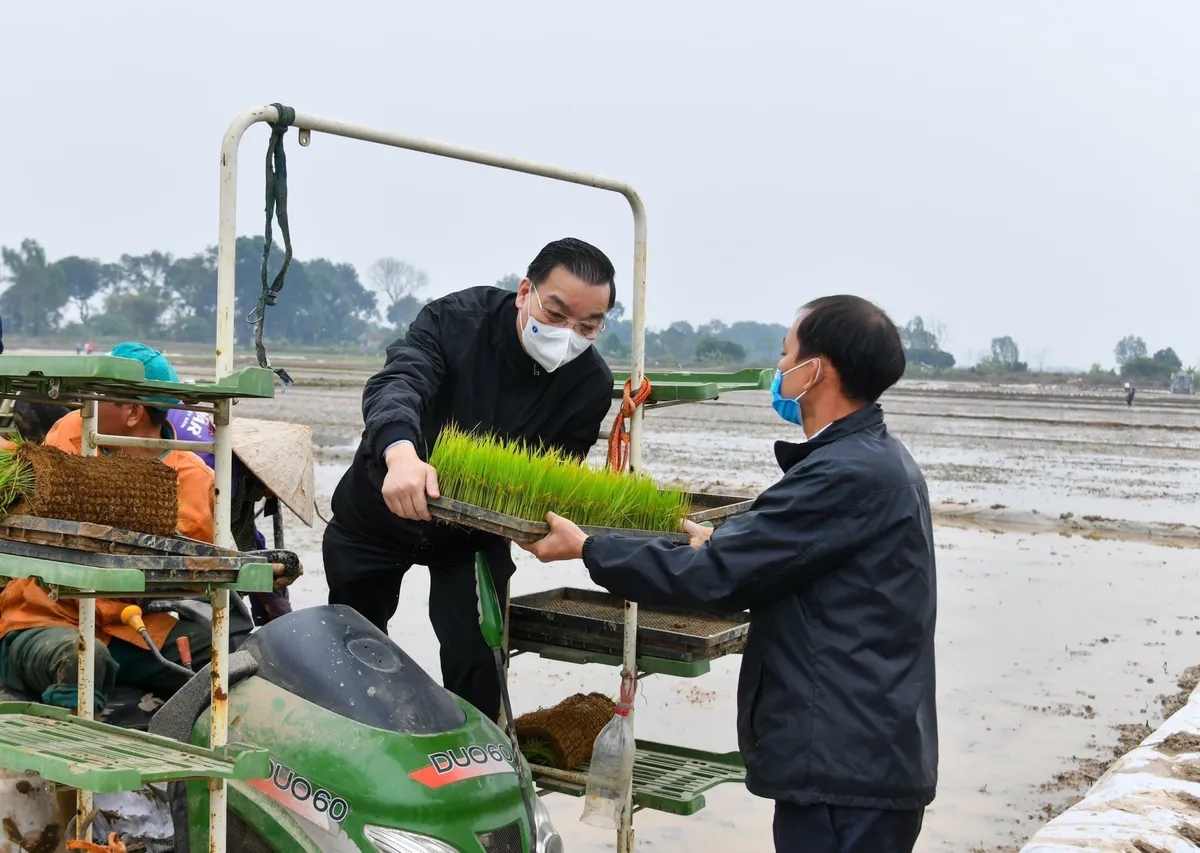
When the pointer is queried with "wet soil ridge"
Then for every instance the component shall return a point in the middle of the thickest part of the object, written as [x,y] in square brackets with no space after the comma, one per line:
[1180,743]
[1002,519]
[998,518]
[1175,756]
[1087,771]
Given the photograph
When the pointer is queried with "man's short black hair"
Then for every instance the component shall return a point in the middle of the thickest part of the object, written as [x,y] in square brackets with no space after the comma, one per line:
[859,339]
[580,259]
[157,416]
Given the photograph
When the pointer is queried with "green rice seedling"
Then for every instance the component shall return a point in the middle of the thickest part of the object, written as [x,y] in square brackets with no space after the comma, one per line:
[539,752]
[16,476]
[526,482]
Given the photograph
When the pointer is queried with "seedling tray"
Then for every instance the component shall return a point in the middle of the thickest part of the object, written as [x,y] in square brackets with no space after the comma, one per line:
[595,621]
[80,554]
[715,509]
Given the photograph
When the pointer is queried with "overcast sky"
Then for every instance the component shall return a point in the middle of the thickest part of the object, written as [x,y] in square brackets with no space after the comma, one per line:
[1018,167]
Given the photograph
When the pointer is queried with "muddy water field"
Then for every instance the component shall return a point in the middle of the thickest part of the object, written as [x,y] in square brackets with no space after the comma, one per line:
[1066,624]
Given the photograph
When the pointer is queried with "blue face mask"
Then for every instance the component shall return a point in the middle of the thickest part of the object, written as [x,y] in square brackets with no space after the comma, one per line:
[788,408]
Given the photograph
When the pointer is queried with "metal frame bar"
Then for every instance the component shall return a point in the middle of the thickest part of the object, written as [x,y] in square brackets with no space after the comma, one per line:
[86,664]
[94,439]
[226,259]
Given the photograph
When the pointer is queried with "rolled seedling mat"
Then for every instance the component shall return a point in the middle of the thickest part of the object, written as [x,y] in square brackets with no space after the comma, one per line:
[562,737]
[126,492]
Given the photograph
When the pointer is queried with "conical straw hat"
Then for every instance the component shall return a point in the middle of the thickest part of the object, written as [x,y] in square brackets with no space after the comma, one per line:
[280,455]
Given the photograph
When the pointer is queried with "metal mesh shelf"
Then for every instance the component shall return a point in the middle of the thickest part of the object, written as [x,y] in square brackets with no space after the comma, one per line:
[666,778]
[62,377]
[687,387]
[172,572]
[105,759]
[645,664]
[89,556]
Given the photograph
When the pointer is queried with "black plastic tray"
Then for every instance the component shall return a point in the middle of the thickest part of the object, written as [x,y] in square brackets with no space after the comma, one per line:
[595,621]
[162,558]
[711,508]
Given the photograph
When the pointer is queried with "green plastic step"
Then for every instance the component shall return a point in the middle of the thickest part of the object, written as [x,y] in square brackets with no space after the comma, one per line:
[648,665]
[249,577]
[667,778]
[63,377]
[105,759]
[689,387]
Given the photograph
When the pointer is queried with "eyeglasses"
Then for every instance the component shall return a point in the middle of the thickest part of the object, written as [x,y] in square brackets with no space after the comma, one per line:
[590,329]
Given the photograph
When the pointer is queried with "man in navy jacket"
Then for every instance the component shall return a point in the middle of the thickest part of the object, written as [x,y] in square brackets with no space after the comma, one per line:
[835,562]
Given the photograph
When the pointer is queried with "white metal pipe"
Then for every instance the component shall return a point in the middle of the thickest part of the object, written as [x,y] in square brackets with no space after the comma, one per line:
[218,734]
[219,599]
[223,462]
[86,663]
[637,372]
[562,775]
[95,439]
[625,830]
[637,367]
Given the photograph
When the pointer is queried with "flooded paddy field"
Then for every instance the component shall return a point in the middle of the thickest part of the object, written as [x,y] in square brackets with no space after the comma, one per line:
[1055,647]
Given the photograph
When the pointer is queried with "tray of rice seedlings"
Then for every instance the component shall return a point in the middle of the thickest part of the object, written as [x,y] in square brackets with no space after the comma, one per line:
[127,492]
[506,487]
[594,621]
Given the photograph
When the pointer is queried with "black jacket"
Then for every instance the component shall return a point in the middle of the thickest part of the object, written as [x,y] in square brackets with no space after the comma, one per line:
[836,564]
[462,362]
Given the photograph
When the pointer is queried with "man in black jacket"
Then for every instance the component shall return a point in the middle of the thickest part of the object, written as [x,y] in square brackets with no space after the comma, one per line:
[516,365]
[836,716]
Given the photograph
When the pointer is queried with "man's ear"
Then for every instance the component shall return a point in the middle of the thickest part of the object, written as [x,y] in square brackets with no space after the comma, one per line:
[135,415]
[523,293]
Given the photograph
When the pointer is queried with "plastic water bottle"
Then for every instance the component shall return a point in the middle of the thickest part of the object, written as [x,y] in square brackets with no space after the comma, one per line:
[612,765]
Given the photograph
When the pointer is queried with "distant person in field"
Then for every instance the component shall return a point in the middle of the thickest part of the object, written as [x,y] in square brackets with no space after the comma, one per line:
[835,562]
[1129,392]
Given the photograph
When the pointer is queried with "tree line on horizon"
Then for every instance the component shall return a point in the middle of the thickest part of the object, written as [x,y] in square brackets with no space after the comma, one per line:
[157,296]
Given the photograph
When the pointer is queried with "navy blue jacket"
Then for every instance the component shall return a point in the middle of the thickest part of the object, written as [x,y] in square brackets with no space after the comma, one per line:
[835,563]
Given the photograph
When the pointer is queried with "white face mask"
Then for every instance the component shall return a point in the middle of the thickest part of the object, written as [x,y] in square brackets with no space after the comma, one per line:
[550,346]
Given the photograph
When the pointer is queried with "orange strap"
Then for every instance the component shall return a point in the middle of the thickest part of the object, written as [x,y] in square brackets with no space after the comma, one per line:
[618,437]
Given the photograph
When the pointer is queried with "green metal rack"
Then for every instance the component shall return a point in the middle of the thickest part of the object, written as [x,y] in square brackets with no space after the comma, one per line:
[678,387]
[646,665]
[79,377]
[105,759]
[75,750]
[665,778]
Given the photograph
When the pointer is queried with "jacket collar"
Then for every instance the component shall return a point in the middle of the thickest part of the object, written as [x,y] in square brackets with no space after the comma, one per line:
[789,454]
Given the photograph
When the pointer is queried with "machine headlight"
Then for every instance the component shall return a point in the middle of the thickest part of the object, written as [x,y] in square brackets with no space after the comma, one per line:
[387,840]
[548,839]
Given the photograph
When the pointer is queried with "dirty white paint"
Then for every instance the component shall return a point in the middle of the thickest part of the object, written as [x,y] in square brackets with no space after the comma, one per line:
[1148,801]
[144,816]
[30,814]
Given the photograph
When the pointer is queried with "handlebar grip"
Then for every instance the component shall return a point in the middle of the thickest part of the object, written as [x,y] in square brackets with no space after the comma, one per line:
[185,651]
[132,616]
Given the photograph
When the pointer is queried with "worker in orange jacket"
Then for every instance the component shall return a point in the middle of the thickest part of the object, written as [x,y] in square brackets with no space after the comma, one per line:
[38,636]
